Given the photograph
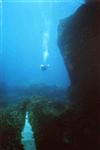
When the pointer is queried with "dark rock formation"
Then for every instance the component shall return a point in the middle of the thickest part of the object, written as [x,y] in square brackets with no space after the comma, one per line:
[12,119]
[79,42]
[49,130]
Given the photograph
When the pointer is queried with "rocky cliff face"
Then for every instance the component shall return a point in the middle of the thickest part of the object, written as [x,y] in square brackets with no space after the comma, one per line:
[79,42]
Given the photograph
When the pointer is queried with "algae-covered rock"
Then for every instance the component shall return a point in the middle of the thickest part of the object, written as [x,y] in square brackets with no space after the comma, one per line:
[45,119]
[11,123]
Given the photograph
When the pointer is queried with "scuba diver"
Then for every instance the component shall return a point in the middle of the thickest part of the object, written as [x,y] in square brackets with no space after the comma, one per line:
[44,67]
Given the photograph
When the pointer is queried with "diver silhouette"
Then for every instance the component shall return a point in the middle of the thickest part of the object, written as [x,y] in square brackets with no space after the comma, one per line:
[44,67]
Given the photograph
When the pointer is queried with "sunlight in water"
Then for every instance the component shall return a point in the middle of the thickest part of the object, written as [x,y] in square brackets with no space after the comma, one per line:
[45,46]
[27,135]
[46,37]
[45,55]
[31,40]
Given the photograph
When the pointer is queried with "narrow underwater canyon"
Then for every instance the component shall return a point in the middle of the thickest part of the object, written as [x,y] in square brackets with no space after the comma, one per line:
[77,126]
[69,122]
[27,134]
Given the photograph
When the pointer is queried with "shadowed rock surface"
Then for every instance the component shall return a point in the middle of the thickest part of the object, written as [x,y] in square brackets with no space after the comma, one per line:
[79,41]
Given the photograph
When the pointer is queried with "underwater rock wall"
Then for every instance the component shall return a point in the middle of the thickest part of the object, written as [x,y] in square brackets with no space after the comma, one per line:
[79,42]
[47,124]
[11,123]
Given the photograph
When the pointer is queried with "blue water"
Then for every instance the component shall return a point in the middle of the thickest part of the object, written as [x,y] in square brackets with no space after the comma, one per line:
[29,28]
